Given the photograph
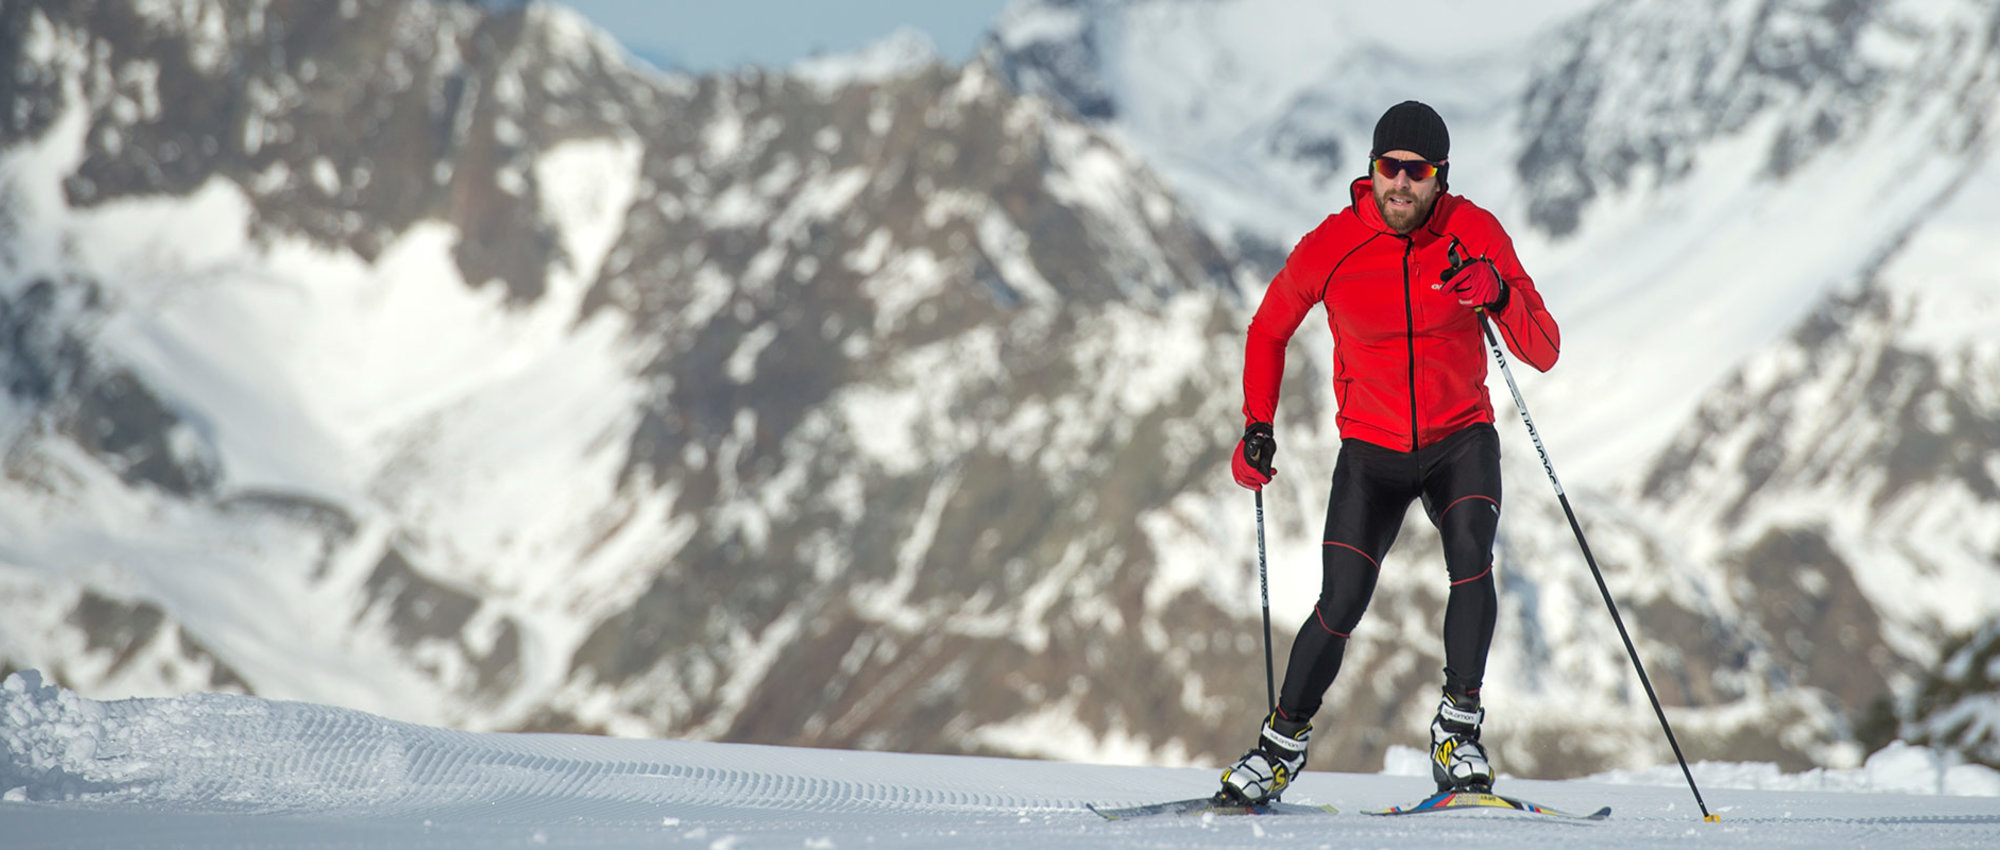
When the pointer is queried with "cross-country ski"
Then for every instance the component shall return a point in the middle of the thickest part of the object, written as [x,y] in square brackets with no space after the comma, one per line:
[1213,805]
[1446,801]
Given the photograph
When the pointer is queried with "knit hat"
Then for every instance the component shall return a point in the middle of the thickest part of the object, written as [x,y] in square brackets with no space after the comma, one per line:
[1414,127]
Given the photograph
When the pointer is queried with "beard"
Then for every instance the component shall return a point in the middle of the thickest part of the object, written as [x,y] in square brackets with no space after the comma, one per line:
[1404,218]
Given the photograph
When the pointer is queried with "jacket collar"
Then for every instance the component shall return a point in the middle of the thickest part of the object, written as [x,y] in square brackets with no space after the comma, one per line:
[1362,191]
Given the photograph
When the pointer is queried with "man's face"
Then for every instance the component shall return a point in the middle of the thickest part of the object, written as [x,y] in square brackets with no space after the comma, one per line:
[1404,203]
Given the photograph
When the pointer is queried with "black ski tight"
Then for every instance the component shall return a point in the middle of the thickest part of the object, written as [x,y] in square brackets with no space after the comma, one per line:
[1458,479]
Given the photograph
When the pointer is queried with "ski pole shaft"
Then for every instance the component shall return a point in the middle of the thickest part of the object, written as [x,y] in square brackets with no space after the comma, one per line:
[1264,590]
[1500,354]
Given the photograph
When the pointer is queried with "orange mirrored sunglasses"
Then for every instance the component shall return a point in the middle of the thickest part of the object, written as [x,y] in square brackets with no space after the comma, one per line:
[1418,169]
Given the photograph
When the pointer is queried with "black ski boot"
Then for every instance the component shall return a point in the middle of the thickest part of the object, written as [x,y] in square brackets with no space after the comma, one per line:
[1268,768]
[1458,762]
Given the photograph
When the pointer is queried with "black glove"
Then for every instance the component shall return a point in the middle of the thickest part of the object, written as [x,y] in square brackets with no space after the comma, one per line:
[1476,283]
[1252,465]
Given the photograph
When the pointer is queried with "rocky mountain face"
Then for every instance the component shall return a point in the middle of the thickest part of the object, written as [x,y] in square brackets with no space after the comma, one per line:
[810,409]
[427,358]
[1638,90]
[914,388]
[1847,477]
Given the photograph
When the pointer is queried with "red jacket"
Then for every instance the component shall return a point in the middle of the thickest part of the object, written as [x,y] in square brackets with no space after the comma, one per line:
[1409,362]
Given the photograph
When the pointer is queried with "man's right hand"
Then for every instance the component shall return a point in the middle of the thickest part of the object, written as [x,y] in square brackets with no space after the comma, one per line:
[1252,464]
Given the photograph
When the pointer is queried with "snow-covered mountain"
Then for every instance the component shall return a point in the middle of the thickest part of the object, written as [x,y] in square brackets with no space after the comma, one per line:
[1954,707]
[429,359]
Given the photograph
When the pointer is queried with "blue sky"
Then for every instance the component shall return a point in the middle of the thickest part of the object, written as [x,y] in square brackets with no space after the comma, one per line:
[710,35]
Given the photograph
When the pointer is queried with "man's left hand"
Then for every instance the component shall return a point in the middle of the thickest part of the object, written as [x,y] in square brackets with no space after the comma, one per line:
[1477,284]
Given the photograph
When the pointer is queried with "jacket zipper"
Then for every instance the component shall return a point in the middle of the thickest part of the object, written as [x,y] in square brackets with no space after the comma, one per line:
[1410,337]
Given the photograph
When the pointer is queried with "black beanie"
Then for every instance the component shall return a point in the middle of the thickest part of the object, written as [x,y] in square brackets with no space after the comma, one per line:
[1414,127]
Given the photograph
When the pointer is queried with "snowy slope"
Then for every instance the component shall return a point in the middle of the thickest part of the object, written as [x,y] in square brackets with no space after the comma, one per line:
[229,771]
[1695,197]
[1856,460]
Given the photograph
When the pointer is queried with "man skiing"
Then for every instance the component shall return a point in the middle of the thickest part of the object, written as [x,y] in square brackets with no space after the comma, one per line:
[1405,273]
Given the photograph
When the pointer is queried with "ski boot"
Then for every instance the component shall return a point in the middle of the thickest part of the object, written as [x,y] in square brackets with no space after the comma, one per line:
[1268,768]
[1458,762]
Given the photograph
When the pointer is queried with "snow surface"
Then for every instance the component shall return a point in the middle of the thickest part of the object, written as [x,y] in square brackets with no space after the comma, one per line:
[217,770]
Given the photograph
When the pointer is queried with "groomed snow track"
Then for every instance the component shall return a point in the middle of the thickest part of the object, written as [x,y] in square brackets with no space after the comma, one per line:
[212,770]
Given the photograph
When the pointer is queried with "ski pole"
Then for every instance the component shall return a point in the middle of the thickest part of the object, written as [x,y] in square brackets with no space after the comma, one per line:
[1264,589]
[1500,354]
